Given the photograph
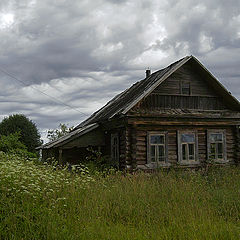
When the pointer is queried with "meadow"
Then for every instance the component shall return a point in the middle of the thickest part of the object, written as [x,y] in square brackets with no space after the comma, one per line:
[40,201]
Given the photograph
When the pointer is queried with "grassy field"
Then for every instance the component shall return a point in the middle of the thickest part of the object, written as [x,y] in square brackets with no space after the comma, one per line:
[42,202]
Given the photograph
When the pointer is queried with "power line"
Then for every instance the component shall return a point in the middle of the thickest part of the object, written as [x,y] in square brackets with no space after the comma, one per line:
[55,99]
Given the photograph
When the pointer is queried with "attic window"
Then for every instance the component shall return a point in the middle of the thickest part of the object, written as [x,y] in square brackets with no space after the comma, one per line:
[185,88]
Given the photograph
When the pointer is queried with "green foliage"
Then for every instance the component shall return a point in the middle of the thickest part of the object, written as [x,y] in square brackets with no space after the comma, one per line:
[12,144]
[42,202]
[62,130]
[28,131]
[95,161]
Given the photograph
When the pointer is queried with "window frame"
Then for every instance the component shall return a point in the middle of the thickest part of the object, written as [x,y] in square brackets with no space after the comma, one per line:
[157,133]
[180,143]
[181,88]
[217,131]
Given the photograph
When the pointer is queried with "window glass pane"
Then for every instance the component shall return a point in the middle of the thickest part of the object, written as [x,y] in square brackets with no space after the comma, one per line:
[157,139]
[184,151]
[212,150]
[220,148]
[186,91]
[152,151]
[161,159]
[161,151]
[191,151]
[216,137]
[186,88]
[187,137]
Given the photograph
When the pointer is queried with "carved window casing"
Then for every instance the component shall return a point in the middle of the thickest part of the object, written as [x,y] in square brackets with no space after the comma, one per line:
[216,141]
[187,147]
[157,148]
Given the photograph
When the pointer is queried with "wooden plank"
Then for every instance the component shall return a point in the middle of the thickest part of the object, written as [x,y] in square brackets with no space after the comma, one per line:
[187,123]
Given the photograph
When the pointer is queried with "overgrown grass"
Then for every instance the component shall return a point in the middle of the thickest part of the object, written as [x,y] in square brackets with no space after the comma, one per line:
[42,202]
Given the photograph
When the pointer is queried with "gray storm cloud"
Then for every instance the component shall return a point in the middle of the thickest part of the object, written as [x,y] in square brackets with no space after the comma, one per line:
[85,52]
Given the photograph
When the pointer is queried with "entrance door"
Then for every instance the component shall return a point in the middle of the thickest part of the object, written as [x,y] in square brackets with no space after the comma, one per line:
[115,149]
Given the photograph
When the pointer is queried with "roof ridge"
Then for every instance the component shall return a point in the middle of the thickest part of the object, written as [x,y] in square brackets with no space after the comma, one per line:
[132,90]
[128,98]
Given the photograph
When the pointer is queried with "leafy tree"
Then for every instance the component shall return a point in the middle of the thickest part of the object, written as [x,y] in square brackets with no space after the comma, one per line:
[11,142]
[62,130]
[26,128]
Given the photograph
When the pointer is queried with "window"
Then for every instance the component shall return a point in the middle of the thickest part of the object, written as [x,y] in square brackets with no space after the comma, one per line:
[185,88]
[115,148]
[216,145]
[157,150]
[187,147]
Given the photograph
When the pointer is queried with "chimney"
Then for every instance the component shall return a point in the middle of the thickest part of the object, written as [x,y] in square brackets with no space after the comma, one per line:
[148,73]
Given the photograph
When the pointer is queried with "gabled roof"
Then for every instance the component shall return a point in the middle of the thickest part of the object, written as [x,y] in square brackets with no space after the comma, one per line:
[124,101]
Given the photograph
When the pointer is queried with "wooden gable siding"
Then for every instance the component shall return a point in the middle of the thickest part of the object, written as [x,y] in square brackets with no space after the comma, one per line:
[139,143]
[199,86]
[168,94]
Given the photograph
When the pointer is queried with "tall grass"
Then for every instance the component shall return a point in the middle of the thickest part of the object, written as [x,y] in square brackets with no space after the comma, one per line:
[42,202]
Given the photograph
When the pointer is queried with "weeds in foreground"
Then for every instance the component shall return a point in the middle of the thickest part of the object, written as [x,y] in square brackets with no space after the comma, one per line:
[42,202]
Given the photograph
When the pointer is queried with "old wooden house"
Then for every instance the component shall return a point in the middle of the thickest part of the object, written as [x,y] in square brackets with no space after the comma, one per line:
[180,116]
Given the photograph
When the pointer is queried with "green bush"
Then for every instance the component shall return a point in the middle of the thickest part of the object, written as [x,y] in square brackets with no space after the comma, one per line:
[12,144]
[96,162]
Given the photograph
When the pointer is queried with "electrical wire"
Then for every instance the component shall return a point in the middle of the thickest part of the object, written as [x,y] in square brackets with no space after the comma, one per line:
[56,100]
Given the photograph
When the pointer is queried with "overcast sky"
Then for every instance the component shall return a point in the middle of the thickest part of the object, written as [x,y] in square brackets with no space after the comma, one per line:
[84,52]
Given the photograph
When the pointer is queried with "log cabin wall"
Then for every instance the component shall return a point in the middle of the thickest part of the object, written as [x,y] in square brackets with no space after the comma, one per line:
[230,141]
[237,144]
[128,149]
[140,142]
[171,98]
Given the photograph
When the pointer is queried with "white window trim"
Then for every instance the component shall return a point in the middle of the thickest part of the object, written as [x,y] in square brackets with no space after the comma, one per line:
[157,163]
[222,131]
[187,162]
